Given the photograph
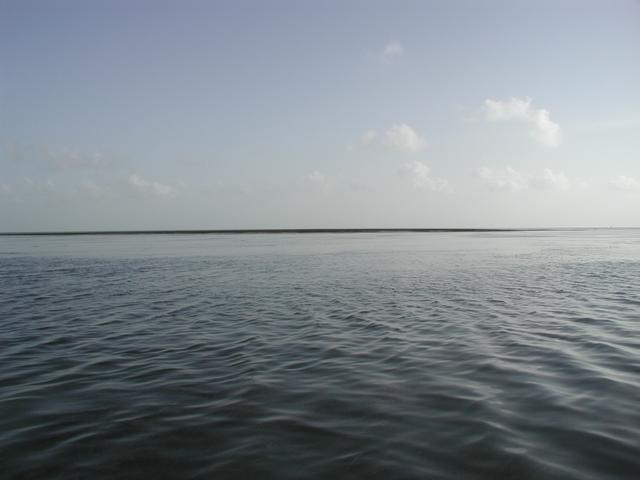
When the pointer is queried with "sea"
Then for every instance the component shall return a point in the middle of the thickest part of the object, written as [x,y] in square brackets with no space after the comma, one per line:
[340,355]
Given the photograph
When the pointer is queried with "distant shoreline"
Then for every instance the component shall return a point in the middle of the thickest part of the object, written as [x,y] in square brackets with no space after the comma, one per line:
[305,230]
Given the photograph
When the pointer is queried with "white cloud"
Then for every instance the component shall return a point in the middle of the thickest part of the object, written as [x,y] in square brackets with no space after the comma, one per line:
[403,137]
[499,110]
[546,131]
[5,189]
[550,180]
[400,137]
[513,180]
[391,51]
[422,177]
[625,183]
[541,127]
[139,184]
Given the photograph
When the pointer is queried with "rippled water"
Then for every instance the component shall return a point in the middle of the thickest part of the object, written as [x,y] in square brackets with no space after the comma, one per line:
[390,355]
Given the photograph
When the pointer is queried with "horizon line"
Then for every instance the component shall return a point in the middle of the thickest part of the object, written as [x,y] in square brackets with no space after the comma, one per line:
[301,230]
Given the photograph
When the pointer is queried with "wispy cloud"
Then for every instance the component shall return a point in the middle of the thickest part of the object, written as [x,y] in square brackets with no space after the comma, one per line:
[391,51]
[368,137]
[152,188]
[316,177]
[422,178]
[54,158]
[625,183]
[550,180]
[41,185]
[512,180]
[92,189]
[502,179]
[400,137]
[72,158]
[539,122]
[5,189]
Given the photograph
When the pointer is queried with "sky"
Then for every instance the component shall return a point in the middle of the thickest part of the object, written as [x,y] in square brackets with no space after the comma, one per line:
[330,114]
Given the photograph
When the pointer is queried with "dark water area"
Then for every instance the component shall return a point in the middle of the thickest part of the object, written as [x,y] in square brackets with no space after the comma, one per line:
[484,355]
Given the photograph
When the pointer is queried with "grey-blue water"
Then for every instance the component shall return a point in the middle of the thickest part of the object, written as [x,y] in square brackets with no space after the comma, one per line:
[389,355]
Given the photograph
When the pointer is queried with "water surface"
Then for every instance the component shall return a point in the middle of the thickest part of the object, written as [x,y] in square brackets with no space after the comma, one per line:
[356,355]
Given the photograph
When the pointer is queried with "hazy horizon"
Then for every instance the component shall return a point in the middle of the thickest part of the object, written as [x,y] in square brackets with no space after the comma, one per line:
[297,115]
[249,231]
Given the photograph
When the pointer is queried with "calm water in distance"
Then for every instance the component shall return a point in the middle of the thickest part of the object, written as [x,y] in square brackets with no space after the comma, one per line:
[512,355]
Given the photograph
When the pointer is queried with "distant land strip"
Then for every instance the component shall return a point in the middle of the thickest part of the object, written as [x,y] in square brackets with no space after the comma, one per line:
[300,230]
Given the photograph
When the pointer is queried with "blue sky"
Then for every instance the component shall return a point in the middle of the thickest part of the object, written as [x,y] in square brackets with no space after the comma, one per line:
[200,114]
